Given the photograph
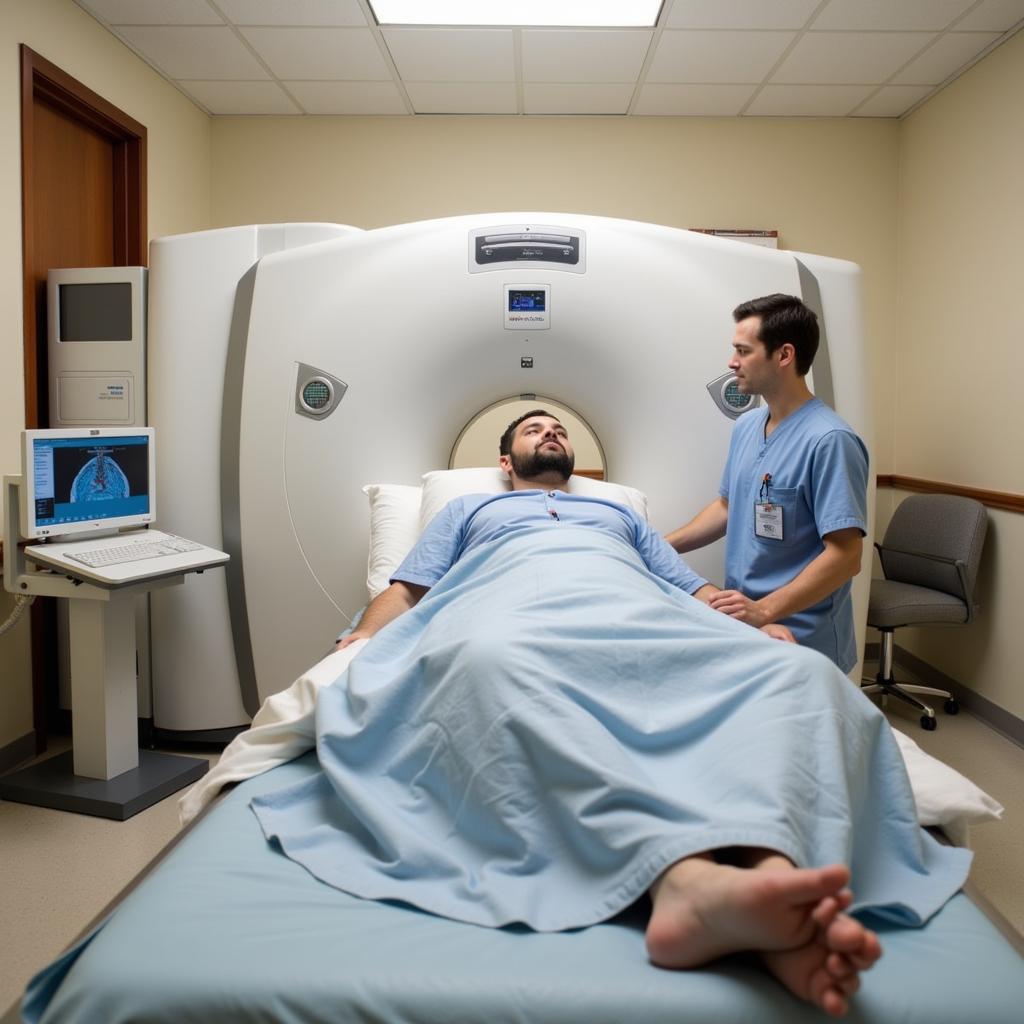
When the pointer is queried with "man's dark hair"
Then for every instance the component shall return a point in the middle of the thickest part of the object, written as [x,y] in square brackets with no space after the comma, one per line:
[505,444]
[784,318]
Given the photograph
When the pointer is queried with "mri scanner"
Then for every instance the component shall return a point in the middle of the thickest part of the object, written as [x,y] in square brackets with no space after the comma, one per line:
[292,364]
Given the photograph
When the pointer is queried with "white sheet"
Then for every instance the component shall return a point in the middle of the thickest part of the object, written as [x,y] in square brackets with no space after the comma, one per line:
[283,729]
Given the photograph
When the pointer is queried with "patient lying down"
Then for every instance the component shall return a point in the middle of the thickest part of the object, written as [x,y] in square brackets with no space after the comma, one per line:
[550,726]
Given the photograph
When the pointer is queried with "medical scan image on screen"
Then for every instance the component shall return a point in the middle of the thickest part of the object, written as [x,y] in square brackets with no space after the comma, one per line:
[79,480]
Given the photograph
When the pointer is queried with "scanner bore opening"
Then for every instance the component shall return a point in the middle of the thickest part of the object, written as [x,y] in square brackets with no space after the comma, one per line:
[477,443]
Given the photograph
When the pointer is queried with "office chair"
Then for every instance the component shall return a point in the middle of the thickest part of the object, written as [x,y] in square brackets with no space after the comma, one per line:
[929,555]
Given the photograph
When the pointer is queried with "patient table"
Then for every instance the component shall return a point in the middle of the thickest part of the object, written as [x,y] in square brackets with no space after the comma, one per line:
[226,929]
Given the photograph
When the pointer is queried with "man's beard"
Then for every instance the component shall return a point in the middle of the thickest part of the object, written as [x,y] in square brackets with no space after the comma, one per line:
[537,462]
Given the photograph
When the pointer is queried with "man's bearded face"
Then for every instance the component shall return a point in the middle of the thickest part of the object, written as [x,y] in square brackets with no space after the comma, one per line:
[542,457]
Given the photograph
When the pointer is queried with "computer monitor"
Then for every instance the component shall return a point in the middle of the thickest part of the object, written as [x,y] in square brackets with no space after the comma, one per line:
[87,479]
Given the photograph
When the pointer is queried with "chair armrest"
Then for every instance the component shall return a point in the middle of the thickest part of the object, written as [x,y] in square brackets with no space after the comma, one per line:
[958,564]
[883,550]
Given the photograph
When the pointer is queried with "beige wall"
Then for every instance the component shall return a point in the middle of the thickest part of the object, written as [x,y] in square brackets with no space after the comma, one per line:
[961,270]
[179,200]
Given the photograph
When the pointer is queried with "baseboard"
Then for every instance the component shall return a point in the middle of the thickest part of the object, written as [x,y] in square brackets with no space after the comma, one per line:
[991,714]
[14,753]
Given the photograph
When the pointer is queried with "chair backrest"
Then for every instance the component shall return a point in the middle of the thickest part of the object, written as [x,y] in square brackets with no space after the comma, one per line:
[940,525]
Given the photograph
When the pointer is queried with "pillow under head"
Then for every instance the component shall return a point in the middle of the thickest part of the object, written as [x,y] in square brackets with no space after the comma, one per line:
[394,528]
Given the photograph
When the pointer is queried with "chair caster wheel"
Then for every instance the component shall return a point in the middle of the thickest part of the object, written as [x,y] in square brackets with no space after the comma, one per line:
[928,724]
[951,707]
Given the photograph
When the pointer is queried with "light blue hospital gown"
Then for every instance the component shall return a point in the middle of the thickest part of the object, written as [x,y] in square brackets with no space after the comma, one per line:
[476,519]
[554,724]
[818,470]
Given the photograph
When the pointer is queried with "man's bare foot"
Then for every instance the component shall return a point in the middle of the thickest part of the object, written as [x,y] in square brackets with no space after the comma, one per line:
[826,970]
[794,918]
[703,910]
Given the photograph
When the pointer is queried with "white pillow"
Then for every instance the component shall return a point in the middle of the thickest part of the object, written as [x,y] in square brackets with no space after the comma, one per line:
[607,491]
[943,796]
[442,485]
[394,528]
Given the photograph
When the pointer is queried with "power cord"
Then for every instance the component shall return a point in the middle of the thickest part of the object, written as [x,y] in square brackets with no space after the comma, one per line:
[21,602]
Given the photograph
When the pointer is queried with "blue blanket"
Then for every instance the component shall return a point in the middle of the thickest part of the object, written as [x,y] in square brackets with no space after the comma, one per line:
[552,726]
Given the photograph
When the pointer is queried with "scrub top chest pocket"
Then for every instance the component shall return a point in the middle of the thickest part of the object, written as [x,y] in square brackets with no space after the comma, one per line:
[775,516]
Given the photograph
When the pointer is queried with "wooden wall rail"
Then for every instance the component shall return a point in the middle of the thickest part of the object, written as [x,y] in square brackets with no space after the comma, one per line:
[992,499]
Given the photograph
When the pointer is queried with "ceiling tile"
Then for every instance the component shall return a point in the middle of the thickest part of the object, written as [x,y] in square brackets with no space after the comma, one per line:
[890,15]
[348,97]
[748,14]
[320,53]
[576,98]
[452,55]
[468,98]
[691,100]
[200,53]
[582,55]
[241,97]
[993,16]
[892,100]
[734,57]
[294,12]
[153,12]
[849,57]
[711,59]
[808,100]
[947,56]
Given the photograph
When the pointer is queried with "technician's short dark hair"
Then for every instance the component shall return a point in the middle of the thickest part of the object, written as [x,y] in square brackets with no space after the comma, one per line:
[784,318]
[505,444]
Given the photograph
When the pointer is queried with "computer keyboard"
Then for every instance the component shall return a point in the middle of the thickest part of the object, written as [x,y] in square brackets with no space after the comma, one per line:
[136,551]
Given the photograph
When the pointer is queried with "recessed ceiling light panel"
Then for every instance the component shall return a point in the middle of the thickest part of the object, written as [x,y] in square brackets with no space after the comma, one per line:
[585,13]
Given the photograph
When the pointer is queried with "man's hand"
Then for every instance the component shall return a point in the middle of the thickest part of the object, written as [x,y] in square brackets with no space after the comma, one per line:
[738,606]
[384,608]
[351,638]
[779,632]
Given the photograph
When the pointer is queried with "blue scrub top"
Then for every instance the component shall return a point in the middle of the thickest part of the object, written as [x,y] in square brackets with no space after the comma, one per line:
[819,472]
[467,522]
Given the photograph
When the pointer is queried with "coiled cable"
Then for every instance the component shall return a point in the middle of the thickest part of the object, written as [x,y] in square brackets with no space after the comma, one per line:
[21,602]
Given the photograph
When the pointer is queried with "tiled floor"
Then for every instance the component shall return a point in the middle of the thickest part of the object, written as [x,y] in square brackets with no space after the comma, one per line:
[60,870]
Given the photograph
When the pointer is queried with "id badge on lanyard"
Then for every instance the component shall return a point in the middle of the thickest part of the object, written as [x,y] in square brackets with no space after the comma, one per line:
[767,516]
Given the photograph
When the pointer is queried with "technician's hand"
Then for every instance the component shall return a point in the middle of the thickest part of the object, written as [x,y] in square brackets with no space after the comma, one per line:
[738,606]
[779,632]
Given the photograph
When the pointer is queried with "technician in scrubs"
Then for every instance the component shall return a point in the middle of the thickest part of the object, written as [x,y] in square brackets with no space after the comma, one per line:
[792,504]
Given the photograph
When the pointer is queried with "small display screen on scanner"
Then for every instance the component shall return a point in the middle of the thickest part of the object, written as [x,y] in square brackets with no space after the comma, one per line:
[526,301]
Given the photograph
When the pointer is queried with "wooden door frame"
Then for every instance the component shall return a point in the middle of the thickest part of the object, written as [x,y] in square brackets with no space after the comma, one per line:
[44,81]
[41,80]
